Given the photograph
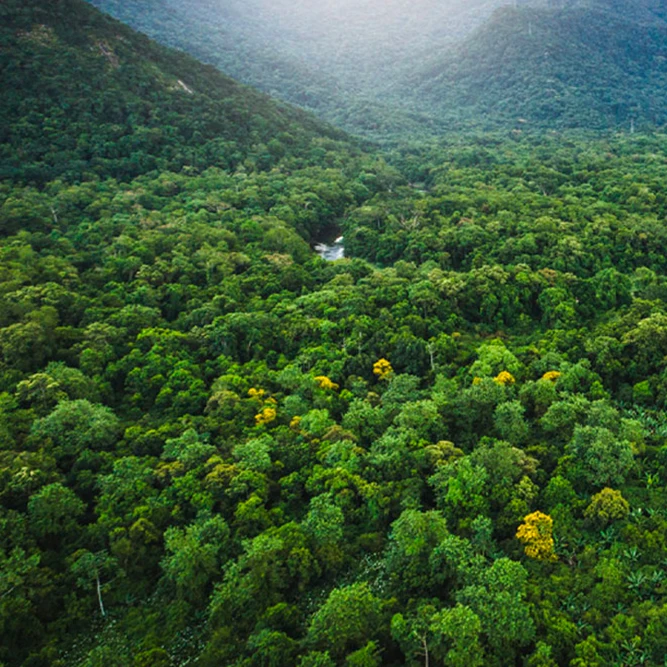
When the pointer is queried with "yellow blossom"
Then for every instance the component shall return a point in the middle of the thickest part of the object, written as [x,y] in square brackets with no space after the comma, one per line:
[536,532]
[551,376]
[326,383]
[383,369]
[266,416]
[256,393]
[504,378]
[476,381]
[294,424]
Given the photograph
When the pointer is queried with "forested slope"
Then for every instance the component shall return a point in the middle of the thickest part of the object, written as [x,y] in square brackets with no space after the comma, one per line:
[84,95]
[577,66]
[218,449]
[326,57]
[395,69]
[287,48]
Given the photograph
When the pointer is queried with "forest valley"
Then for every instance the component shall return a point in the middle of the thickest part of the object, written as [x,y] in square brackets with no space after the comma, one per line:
[216,448]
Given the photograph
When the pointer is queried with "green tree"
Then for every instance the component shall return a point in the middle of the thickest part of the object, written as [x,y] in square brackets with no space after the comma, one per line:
[608,505]
[94,571]
[413,538]
[74,427]
[189,449]
[494,358]
[325,524]
[54,511]
[510,423]
[194,555]
[600,457]
[461,489]
[497,597]
[456,635]
[346,621]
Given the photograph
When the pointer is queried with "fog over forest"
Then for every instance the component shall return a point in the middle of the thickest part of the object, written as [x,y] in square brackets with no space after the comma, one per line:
[396,68]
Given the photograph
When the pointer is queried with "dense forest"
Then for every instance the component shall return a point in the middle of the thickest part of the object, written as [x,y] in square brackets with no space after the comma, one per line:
[216,448]
[394,70]
[572,67]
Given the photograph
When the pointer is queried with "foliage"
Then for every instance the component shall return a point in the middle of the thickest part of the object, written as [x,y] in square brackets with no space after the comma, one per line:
[608,505]
[536,532]
[159,293]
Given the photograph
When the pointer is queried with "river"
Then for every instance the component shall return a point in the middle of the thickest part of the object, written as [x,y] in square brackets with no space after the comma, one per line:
[331,252]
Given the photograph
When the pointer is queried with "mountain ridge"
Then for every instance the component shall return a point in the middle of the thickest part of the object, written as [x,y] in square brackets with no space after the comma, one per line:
[392,70]
[126,87]
[573,67]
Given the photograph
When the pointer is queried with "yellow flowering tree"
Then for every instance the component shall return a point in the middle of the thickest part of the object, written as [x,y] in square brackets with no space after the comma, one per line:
[551,376]
[325,383]
[383,369]
[536,533]
[504,378]
[266,416]
[268,413]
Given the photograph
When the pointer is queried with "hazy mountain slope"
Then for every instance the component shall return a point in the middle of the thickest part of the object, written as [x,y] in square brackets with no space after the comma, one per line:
[236,38]
[397,67]
[334,58]
[579,66]
[329,42]
[634,10]
[83,94]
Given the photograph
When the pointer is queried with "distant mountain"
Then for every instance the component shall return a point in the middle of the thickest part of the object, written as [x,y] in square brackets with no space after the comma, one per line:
[334,58]
[388,68]
[85,95]
[641,11]
[264,42]
[577,64]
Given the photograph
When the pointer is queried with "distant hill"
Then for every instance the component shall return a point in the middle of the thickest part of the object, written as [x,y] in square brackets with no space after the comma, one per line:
[391,68]
[334,58]
[279,45]
[590,65]
[85,95]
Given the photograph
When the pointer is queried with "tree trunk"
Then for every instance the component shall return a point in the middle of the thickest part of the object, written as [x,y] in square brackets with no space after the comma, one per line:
[99,595]
[425,651]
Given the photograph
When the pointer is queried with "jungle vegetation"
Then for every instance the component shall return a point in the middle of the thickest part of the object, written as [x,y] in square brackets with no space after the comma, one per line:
[395,71]
[218,449]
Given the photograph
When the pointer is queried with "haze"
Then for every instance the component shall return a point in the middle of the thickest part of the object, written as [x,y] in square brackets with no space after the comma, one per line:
[332,38]
[396,67]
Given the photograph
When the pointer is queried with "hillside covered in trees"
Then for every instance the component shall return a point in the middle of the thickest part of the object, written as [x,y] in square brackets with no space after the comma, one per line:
[399,70]
[85,96]
[573,66]
[218,449]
